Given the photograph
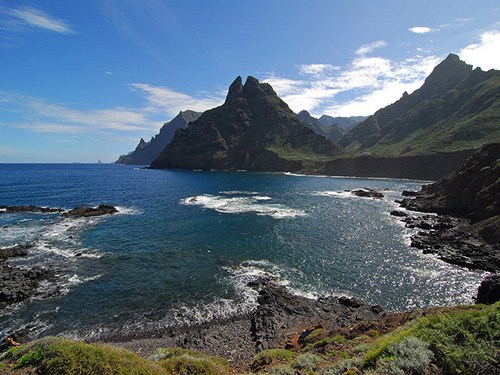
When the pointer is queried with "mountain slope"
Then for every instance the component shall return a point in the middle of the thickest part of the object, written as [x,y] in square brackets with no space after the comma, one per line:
[345,123]
[146,152]
[334,132]
[457,108]
[254,129]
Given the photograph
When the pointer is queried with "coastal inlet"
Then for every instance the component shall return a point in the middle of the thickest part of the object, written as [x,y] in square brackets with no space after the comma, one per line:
[184,246]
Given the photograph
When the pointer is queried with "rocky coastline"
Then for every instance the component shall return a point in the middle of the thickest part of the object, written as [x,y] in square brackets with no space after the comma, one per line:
[464,228]
[279,320]
[20,283]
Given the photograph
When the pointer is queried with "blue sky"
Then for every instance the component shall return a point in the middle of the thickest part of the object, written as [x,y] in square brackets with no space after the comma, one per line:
[84,80]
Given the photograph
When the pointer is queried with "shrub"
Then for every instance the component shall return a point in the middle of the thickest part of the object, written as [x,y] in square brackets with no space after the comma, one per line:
[463,340]
[266,357]
[307,361]
[345,366]
[409,356]
[63,356]
[184,361]
[282,370]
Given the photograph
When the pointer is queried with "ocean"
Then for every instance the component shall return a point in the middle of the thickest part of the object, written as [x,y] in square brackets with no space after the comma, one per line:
[185,244]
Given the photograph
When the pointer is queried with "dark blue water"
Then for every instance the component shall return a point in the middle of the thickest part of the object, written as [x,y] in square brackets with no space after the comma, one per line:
[185,244]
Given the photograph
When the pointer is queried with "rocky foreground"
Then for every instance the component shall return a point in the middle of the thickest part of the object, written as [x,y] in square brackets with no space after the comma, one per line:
[278,321]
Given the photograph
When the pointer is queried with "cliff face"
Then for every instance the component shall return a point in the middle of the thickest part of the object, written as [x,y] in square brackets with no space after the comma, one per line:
[254,129]
[472,192]
[457,108]
[146,152]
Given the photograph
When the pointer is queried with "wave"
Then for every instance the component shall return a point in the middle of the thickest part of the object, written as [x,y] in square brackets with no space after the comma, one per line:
[245,204]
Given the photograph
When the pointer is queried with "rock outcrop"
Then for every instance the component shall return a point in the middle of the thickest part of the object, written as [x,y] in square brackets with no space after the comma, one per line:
[83,211]
[16,283]
[472,196]
[254,130]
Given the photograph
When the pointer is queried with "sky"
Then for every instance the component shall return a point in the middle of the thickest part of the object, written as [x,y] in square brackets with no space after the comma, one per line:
[84,80]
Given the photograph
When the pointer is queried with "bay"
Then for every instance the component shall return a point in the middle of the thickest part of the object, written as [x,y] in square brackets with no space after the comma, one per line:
[186,243]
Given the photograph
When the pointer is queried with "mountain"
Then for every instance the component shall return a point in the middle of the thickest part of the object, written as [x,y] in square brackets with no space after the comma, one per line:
[146,152]
[457,108]
[345,123]
[254,129]
[333,132]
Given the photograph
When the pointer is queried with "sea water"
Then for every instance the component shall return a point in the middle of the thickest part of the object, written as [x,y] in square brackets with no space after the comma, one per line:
[185,244]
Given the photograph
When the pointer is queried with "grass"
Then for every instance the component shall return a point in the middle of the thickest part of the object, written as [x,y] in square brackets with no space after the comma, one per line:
[56,356]
[458,340]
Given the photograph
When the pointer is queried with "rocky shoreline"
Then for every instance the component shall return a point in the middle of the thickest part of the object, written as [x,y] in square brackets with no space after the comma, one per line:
[20,283]
[17,283]
[278,321]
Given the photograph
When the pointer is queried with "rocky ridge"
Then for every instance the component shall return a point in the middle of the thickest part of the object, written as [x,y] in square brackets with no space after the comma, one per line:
[254,130]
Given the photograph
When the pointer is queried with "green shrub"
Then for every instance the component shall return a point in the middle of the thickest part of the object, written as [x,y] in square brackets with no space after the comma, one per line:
[184,361]
[409,356]
[464,340]
[307,361]
[282,370]
[63,356]
[345,366]
[266,357]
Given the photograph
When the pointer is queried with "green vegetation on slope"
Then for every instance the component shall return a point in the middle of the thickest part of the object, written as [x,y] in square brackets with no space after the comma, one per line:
[458,340]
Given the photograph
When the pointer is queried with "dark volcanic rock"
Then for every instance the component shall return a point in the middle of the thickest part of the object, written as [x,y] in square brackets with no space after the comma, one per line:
[102,209]
[278,318]
[17,284]
[489,290]
[14,251]
[30,208]
[472,195]
[254,129]
[368,193]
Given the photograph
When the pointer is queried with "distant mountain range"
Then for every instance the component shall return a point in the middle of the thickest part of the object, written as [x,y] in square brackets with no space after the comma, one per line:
[457,108]
[254,129]
[333,128]
[426,134]
[146,152]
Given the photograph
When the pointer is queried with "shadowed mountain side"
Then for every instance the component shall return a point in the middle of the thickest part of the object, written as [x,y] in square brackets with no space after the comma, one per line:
[254,129]
[146,152]
[422,167]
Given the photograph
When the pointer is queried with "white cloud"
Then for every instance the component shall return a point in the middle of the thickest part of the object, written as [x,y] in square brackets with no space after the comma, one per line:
[369,48]
[485,53]
[421,29]
[34,17]
[9,151]
[317,69]
[365,85]
[172,102]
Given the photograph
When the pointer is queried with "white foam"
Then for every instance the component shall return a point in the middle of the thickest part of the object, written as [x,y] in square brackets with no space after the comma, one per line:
[248,204]
[238,192]
[3,210]
[327,193]
[128,210]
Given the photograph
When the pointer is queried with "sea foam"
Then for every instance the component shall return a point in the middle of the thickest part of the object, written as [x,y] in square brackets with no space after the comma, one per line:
[243,204]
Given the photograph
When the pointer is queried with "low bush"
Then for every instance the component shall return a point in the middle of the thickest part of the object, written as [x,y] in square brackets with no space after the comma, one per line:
[63,356]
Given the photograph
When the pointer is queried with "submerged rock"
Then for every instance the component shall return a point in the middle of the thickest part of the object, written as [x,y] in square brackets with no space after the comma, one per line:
[30,208]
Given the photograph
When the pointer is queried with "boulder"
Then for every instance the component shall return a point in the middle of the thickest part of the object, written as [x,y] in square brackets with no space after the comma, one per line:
[489,290]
